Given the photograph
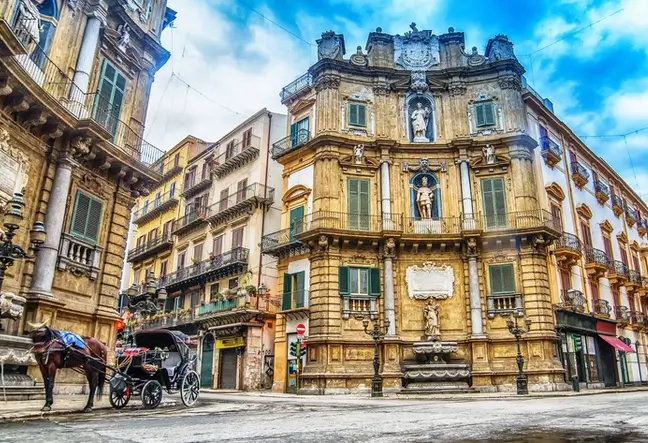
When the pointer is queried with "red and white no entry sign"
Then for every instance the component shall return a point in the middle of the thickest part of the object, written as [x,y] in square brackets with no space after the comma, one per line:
[300,329]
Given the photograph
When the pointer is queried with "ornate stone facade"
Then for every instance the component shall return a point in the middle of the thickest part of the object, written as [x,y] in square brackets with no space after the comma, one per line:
[443,205]
[77,156]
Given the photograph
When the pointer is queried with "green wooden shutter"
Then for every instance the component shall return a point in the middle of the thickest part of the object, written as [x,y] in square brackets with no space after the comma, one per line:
[343,280]
[296,221]
[94,220]
[479,115]
[494,200]
[287,292]
[489,114]
[86,219]
[300,280]
[110,97]
[363,201]
[353,114]
[362,115]
[359,206]
[502,280]
[374,282]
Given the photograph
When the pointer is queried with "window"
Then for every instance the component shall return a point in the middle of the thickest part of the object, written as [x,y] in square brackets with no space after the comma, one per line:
[484,114]
[247,138]
[237,237]
[635,263]
[594,290]
[168,226]
[362,282]
[152,235]
[198,250]
[181,259]
[178,302]
[141,240]
[172,190]
[110,99]
[607,245]
[229,149]
[359,207]
[299,133]
[565,279]
[195,299]
[158,200]
[136,276]
[587,234]
[145,207]
[624,254]
[357,115]
[86,218]
[217,248]
[296,217]
[176,160]
[494,200]
[163,267]
[502,280]
[222,203]
[232,283]
[556,213]
[214,289]
[293,291]
[190,178]
[205,171]
[542,131]
[241,191]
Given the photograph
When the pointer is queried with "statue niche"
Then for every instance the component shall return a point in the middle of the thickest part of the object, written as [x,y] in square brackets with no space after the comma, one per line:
[420,114]
[425,204]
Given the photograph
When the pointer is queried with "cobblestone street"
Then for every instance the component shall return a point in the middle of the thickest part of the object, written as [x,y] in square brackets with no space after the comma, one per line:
[613,418]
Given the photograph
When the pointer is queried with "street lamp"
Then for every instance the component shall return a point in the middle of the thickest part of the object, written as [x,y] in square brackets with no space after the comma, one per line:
[377,334]
[9,251]
[518,331]
[142,302]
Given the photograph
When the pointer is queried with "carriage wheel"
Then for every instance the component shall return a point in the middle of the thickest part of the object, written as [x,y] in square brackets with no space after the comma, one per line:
[119,399]
[151,394]
[190,388]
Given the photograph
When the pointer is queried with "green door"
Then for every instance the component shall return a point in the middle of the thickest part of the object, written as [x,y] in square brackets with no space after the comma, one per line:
[296,221]
[494,200]
[207,362]
[110,98]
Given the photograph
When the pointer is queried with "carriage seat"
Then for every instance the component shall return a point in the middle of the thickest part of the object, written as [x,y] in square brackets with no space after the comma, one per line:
[172,363]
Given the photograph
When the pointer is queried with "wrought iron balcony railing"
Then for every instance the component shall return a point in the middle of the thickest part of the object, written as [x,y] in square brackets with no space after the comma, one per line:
[282,239]
[570,242]
[344,221]
[635,277]
[189,220]
[642,226]
[287,144]
[622,313]
[580,174]
[504,304]
[236,156]
[217,266]
[602,191]
[618,205]
[195,186]
[550,151]
[618,268]
[601,307]
[296,86]
[254,195]
[521,220]
[294,300]
[573,299]
[156,244]
[226,304]
[433,226]
[151,209]
[638,319]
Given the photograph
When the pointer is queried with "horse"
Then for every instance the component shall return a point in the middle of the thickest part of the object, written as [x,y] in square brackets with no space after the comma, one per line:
[52,354]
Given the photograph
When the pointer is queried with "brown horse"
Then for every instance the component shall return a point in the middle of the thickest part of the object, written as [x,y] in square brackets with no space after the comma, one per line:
[52,355]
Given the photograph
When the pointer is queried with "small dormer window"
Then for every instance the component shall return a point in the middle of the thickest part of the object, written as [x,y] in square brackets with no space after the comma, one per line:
[484,114]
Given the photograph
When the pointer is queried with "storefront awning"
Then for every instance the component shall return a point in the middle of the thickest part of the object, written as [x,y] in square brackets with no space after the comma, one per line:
[616,343]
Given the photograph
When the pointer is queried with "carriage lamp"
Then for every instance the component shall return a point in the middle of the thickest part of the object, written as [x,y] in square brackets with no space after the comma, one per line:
[151,286]
[162,294]
[518,331]
[37,235]
[132,291]
[262,290]
[13,215]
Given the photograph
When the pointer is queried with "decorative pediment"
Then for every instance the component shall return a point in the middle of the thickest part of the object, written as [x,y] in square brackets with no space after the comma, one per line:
[359,162]
[301,105]
[296,193]
[434,84]
[606,226]
[425,166]
[556,191]
[635,246]
[489,162]
[622,237]
[584,211]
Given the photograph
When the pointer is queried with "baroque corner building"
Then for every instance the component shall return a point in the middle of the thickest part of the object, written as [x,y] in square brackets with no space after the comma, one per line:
[75,80]
[410,180]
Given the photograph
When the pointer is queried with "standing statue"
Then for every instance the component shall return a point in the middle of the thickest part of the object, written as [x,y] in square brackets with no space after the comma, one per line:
[431,313]
[124,38]
[424,198]
[489,154]
[358,153]
[420,118]
[29,27]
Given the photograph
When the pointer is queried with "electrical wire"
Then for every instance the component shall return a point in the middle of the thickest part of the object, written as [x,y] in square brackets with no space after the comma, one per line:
[205,95]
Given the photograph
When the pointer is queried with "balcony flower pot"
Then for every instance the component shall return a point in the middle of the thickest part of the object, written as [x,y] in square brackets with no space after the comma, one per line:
[252,290]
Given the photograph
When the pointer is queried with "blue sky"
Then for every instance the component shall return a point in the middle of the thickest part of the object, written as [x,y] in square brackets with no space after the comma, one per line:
[237,61]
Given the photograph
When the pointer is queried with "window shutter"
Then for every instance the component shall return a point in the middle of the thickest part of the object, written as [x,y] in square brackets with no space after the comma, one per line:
[489,114]
[353,114]
[343,280]
[287,292]
[502,279]
[172,190]
[363,202]
[500,200]
[362,115]
[218,245]
[81,211]
[479,115]
[374,282]
[94,220]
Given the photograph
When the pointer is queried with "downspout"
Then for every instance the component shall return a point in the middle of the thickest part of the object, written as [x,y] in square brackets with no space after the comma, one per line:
[265,195]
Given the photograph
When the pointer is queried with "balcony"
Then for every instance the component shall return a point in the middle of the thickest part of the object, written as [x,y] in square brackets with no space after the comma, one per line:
[230,263]
[631,216]
[348,225]
[434,226]
[294,300]
[280,243]
[237,156]
[596,262]
[244,201]
[189,221]
[618,205]
[227,304]
[573,300]
[622,315]
[618,272]
[550,151]
[642,227]
[638,321]
[194,187]
[525,221]
[601,308]
[302,84]
[504,305]
[602,191]
[150,248]
[168,168]
[635,281]
[152,209]
[79,257]
[290,143]
[569,249]
[169,320]
[580,174]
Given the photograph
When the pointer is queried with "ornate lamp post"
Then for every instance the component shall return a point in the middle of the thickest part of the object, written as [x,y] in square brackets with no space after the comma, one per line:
[143,302]
[377,334]
[9,251]
[262,290]
[518,332]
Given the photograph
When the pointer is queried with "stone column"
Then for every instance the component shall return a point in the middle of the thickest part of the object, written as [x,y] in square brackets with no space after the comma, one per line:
[523,176]
[41,284]
[466,196]
[475,295]
[385,194]
[389,303]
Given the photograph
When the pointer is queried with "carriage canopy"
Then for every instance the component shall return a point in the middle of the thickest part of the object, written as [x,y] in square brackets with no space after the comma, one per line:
[164,339]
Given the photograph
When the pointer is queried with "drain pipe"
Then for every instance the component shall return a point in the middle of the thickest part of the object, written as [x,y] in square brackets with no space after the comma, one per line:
[265,195]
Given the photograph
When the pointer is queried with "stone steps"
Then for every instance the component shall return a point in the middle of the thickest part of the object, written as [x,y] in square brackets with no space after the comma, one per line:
[432,391]
[22,393]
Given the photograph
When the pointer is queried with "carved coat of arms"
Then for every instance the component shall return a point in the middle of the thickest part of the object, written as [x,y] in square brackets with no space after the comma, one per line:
[416,50]
[330,45]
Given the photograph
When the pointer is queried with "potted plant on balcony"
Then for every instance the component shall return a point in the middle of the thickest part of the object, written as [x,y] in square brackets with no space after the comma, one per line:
[251,289]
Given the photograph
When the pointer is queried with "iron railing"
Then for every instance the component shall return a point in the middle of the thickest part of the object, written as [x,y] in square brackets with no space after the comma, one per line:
[635,277]
[237,255]
[549,146]
[642,226]
[504,304]
[569,241]
[596,256]
[602,188]
[287,144]
[618,201]
[226,304]
[184,221]
[622,313]
[167,167]
[156,205]
[573,299]
[237,199]
[618,268]
[296,86]
[294,300]
[433,226]
[282,237]
[638,318]
[345,221]
[601,307]
[154,243]
[578,169]
[195,186]
[236,155]
[533,219]
[632,213]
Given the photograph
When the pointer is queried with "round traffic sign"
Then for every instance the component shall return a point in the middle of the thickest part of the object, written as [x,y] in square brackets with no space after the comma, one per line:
[300,329]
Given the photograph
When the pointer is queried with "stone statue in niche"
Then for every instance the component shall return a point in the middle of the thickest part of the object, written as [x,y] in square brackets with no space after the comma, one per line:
[431,313]
[358,154]
[124,38]
[425,198]
[30,24]
[420,118]
[489,154]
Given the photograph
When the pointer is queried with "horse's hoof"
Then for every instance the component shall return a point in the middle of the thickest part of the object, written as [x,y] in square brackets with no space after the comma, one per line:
[46,408]
[87,409]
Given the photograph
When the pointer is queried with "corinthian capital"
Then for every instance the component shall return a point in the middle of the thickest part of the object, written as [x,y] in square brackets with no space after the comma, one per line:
[97,9]
[327,82]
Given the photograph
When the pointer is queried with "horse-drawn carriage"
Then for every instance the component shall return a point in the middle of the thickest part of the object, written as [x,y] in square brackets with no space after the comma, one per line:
[160,360]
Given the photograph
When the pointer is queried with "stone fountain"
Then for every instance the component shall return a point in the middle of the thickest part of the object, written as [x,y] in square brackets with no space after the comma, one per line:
[433,372]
